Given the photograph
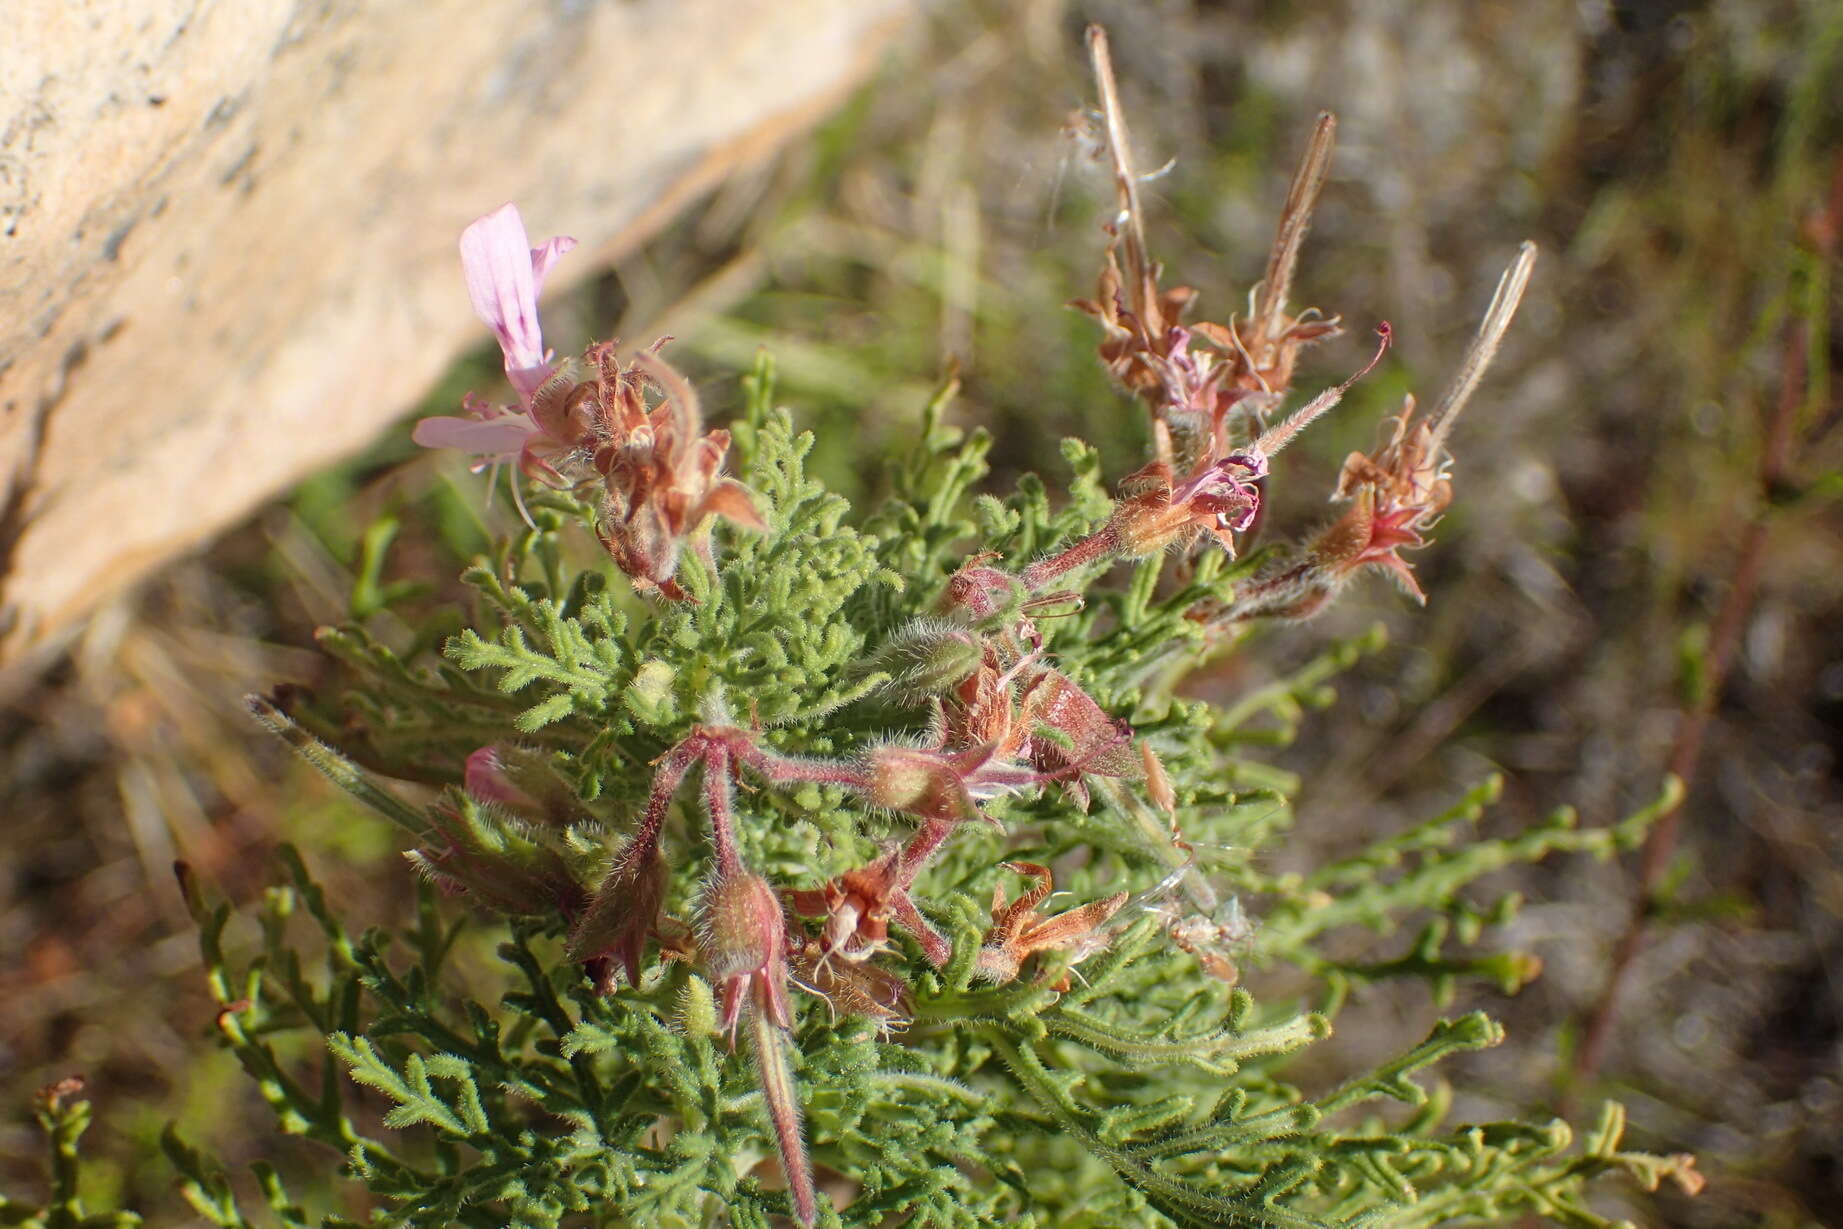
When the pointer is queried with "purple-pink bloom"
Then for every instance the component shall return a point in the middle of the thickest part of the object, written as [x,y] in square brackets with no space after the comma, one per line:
[504,275]
[497,433]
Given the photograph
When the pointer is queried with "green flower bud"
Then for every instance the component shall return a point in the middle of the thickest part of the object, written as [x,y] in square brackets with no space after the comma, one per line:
[928,657]
[697,1008]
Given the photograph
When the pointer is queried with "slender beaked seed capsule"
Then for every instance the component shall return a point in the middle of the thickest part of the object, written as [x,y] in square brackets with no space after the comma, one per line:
[1295,219]
[1491,329]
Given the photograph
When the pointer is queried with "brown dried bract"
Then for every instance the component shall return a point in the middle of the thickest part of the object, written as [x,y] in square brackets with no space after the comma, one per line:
[1019,931]
[662,474]
[853,988]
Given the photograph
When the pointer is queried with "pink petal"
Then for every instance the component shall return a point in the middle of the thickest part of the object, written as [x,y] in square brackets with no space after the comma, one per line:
[503,273]
[545,255]
[491,437]
[496,261]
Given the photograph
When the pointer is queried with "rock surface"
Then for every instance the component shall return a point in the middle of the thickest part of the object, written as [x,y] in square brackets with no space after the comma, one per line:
[227,231]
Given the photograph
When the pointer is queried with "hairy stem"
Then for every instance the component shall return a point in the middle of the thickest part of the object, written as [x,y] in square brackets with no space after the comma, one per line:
[778,1094]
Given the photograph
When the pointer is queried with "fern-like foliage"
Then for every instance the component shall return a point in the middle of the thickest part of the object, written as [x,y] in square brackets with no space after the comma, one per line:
[1136,1087]
[62,1116]
[873,869]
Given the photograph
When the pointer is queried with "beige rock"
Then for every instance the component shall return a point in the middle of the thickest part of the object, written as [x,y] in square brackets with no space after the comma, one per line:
[227,229]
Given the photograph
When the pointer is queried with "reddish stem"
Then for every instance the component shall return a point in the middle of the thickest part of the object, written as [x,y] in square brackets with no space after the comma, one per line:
[1686,752]
[717,800]
[666,780]
[1103,543]
[920,848]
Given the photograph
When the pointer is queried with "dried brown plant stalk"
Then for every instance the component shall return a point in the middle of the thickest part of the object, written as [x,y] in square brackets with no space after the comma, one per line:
[1824,230]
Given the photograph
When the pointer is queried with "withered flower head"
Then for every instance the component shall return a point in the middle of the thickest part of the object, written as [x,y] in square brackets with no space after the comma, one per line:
[1266,347]
[638,424]
[854,988]
[1397,494]
[661,472]
[1241,370]
[1072,736]
[858,906]
[1019,931]
[1136,317]
[981,592]
[1136,342]
[1217,499]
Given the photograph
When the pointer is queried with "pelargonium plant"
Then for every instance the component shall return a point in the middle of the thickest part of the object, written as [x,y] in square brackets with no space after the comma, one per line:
[876,869]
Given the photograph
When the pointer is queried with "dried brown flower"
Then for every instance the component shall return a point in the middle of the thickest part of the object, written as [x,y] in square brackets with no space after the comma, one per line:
[661,472]
[1019,931]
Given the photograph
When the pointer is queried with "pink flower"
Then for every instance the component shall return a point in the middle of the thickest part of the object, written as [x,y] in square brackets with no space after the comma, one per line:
[494,433]
[504,274]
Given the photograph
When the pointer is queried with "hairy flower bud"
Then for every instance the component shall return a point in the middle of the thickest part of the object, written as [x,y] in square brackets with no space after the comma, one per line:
[928,658]
[982,592]
[742,937]
[520,779]
[621,915]
[479,852]
[743,927]
[920,783]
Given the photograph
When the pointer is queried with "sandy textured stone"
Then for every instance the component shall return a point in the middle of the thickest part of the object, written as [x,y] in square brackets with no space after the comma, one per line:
[227,230]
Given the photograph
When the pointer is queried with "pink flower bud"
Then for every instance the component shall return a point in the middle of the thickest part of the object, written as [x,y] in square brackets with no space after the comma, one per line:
[920,783]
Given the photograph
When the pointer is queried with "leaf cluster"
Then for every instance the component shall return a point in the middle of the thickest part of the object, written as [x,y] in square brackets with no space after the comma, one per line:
[1133,1088]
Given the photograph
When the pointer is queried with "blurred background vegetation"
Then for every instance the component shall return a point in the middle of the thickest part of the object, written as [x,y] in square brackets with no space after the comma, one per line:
[1645,499]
